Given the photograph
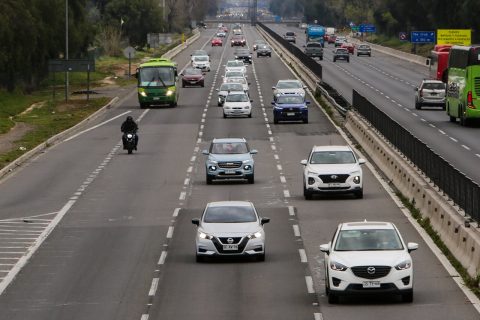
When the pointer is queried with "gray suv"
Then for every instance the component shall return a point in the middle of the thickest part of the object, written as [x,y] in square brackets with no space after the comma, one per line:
[229,158]
[431,93]
[314,49]
[364,50]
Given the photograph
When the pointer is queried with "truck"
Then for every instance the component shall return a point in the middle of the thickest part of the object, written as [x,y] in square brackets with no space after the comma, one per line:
[315,34]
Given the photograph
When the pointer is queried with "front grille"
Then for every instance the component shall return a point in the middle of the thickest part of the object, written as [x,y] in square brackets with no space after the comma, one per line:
[230,165]
[219,246]
[477,86]
[235,240]
[334,188]
[334,178]
[384,287]
[371,272]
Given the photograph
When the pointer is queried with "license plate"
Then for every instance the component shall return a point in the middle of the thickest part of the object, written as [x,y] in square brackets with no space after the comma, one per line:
[290,114]
[371,284]
[334,184]
[156,98]
[229,171]
[230,247]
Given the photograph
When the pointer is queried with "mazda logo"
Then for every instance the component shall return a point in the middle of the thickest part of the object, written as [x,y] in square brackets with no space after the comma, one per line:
[371,270]
[334,177]
[230,241]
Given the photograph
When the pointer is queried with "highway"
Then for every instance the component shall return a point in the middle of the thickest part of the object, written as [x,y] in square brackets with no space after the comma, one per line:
[389,83]
[120,241]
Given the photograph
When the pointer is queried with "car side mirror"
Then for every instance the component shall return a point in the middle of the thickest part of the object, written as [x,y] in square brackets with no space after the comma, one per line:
[264,220]
[304,162]
[361,161]
[253,151]
[415,89]
[411,246]
[205,152]
[251,100]
[273,88]
[325,248]
[196,221]
[249,83]
[273,103]
[304,87]
[218,90]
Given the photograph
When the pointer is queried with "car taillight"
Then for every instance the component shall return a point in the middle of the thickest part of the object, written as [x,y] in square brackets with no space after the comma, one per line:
[470,100]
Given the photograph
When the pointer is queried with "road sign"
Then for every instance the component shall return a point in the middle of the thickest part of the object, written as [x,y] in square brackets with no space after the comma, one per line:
[71,65]
[355,28]
[454,36]
[129,52]
[422,37]
[402,36]
[367,28]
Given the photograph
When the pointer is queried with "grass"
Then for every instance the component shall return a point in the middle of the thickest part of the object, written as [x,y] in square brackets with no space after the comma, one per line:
[471,282]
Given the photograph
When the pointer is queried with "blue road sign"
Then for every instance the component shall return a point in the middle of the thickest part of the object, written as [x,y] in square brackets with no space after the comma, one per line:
[402,36]
[422,37]
[367,28]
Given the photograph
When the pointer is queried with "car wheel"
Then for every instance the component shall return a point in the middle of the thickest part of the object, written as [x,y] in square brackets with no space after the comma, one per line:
[209,179]
[199,258]
[407,297]
[183,84]
[202,84]
[332,298]
[359,194]
[224,115]
[305,120]
[307,194]
[418,105]
[348,60]
[358,55]
[275,120]
[321,58]
[251,179]
[261,257]
[463,119]
[334,59]
[258,55]
[143,105]
[250,114]
[270,55]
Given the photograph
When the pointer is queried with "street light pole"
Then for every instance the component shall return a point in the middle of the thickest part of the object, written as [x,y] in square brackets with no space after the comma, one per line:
[66,50]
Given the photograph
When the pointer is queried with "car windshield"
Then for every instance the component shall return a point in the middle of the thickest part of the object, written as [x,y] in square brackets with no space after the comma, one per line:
[230,74]
[191,71]
[363,47]
[199,53]
[290,34]
[263,46]
[230,214]
[289,100]
[242,52]
[200,58]
[231,87]
[332,157]
[434,85]
[156,77]
[341,50]
[288,85]
[229,148]
[237,80]
[237,97]
[368,239]
[259,41]
[235,64]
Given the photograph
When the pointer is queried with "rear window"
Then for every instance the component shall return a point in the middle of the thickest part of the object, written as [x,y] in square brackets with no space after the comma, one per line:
[434,86]
[290,34]
[231,214]
[314,45]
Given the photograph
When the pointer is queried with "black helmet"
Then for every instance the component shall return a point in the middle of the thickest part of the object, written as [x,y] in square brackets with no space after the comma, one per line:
[129,118]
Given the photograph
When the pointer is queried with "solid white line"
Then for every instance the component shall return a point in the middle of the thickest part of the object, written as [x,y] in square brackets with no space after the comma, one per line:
[296,230]
[291,210]
[153,287]
[163,256]
[309,281]
[303,255]
[170,232]
[98,125]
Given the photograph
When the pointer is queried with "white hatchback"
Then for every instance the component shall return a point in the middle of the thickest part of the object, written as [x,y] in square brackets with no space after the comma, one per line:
[368,258]
[230,228]
[237,104]
[201,62]
[332,169]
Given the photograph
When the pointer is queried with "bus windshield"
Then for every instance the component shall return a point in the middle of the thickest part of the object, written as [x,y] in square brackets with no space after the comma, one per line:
[156,77]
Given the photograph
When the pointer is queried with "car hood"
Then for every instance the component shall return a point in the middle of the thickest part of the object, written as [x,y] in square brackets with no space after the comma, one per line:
[237,104]
[229,157]
[370,258]
[241,69]
[334,168]
[193,77]
[201,63]
[229,229]
[264,49]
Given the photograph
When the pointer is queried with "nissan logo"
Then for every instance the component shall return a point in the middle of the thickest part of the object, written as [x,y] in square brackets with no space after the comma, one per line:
[371,270]
[334,177]
[230,241]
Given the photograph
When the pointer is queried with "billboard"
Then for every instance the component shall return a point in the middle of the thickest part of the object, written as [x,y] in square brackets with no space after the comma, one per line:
[454,36]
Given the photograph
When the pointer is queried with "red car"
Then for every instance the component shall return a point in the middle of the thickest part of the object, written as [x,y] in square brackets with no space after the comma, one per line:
[216,42]
[331,38]
[349,46]
[193,77]
[238,41]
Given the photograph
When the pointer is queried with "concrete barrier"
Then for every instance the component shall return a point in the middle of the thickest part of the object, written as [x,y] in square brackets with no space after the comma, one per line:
[173,52]
[463,242]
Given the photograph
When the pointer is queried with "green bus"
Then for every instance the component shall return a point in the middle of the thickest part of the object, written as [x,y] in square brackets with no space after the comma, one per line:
[157,83]
[463,85]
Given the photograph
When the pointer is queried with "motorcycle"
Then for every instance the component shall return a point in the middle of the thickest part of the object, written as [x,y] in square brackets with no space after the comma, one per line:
[129,141]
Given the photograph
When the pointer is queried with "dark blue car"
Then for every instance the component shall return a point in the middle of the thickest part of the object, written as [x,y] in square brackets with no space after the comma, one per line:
[292,107]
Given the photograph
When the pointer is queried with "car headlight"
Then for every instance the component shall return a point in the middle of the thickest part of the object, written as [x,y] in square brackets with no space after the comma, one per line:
[356,179]
[247,167]
[169,92]
[311,173]
[404,265]
[212,168]
[337,266]
[255,235]
[142,93]
[204,235]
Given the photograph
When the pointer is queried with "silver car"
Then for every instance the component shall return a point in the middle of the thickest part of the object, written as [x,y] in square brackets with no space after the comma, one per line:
[225,88]
[229,158]
[230,228]
[431,93]
[364,50]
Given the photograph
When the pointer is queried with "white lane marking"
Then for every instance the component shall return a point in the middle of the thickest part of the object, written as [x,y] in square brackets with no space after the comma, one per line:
[286,193]
[296,230]
[309,282]
[182,196]
[316,316]
[193,158]
[176,211]
[282,179]
[273,147]
[303,255]
[189,170]
[170,232]
[442,132]
[279,167]
[432,125]
[453,139]
[423,120]
[153,287]
[98,125]
[478,155]
[466,147]
[163,257]
[291,210]
[187,181]
[276,156]
[144,317]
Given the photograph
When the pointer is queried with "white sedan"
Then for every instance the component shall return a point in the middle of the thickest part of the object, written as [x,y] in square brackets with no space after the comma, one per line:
[366,258]
[288,87]
[230,228]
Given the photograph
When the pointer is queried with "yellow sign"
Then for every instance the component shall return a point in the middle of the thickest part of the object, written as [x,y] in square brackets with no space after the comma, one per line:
[454,36]
[183,37]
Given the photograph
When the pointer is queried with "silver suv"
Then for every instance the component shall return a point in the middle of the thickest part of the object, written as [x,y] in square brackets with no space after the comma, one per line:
[430,92]
[229,158]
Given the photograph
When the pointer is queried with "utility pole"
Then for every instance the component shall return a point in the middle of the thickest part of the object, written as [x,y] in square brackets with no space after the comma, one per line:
[66,50]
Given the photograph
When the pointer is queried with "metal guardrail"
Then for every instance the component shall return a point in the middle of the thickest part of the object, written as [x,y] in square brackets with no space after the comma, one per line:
[461,189]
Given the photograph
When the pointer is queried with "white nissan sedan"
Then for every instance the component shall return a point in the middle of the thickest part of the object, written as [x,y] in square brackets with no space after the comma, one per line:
[230,228]
[368,258]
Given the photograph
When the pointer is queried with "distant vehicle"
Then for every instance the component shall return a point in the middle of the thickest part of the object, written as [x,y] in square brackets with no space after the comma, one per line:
[201,62]
[193,77]
[463,96]
[331,38]
[217,42]
[349,46]
[237,104]
[364,50]
[221,34]
[290,108]
[315,34]
[341,54]
[157,82]
[439,62]
[230,228]
[330,30]
[289,36]
[198,53]
[340,40]
[303,26]
[238,41]
[257,42]
[288,87]
[227,87]
[235,65]
[314,49]
[243,54]
[264,50]
[230,158]
[366,258]
[332,169]
[431,93]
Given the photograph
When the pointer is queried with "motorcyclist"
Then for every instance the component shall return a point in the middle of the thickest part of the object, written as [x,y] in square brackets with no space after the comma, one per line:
[129,126]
